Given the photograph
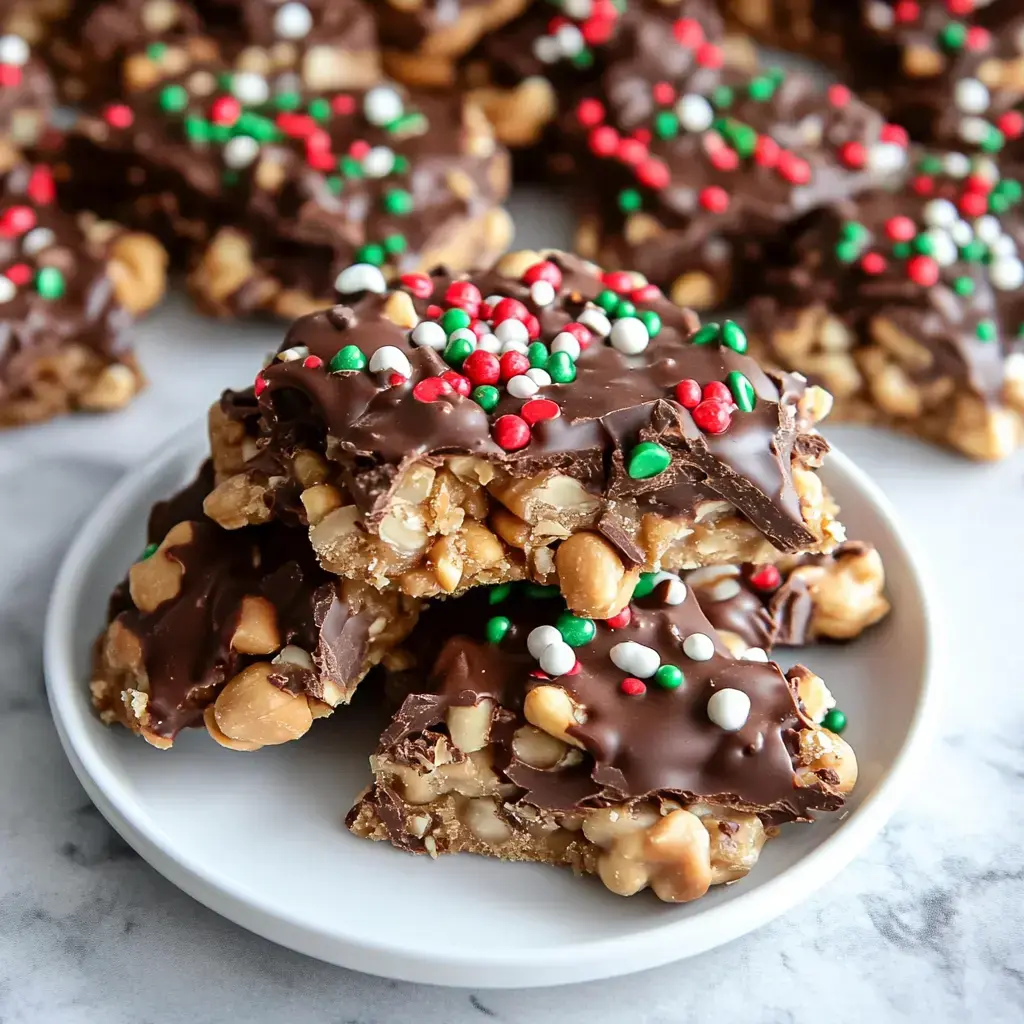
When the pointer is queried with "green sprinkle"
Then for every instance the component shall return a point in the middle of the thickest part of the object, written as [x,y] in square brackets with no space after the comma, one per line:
[734,337]
[409,124]
[1010,188]
[986,330]
[576,631]
[847,252]
[853,231]
[953,35]
[455,319]
[623,308]
[197,129]
[708,334]
[149,551]
[395,245]
[173,98]
[666,124]
[583,60]
[742,391]
[993,141]
[645,584]
[607,300]
[334,184]
[742,137]
[651,321]
[398,202]
[963,286]
[373,253]
[538,592]
[924,245]
[220,133]
[668,677]
[998,204]
[497,628]
[156,51]
[457,351]
[287,101]
[348,358]
[350,167]
[499,593]
[974,251]
[319,109]
[648,459]
[630,200]
[230,178]
[722,97]
[930,165]
[400,165]
[561,368]
[776,73]
[485,396]
[901,250]
[761,89]
[834,721]
[50,283]
[537,353]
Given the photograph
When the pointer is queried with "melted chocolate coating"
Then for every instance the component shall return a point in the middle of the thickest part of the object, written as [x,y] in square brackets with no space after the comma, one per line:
[660,743]
[375,429]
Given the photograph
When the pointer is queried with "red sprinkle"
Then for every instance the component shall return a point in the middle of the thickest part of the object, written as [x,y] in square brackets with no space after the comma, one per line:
[645,293]
[418,284]
[620,281]
[16,220]
[225,110]
[396,380]
[663,93]
[642,135]
[513,364]
[41,188]
[766,151]
[532,327]
[343,104]
[633,687]
[538,409]
[973,204]
[1011,124]
[724,159]
[654,174]
[312,362]
[688,33]
[20,274]
[620,621]
[907,11]
[873,263]
[978,38]
[575,670]
[604,141]
[688,393]
[900,229]
[632,152]
[958,8]
[434,311]
[978,183]
[712,417]
[590,112]
[597,31]
[923,270]
[853,154]
[508,309]
[465,295]
[716,391]
[766,578]
[793,168]
[259,385]
[838,95]
[511,432]
[117,115]
[710,56]
[580,332]
[10,76]
[544,271]
[357,150]
[923,185]
[714,199]
[430,389]
[458,383]
[482,367]
[896,134]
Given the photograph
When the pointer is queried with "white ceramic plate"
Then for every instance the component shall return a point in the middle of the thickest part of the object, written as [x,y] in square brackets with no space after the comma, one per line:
[259,837]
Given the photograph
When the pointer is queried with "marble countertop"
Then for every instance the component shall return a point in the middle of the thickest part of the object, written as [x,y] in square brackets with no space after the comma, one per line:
[925,926]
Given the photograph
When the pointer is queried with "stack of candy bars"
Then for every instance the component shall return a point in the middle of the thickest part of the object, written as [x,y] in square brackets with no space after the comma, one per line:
[560,525]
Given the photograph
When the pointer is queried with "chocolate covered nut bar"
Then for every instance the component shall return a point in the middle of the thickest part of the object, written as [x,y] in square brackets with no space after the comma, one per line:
[907,306]
[542,420]
[272,184]
[700,175]
[638,750]
[239,631]
[26,93]
[68,291]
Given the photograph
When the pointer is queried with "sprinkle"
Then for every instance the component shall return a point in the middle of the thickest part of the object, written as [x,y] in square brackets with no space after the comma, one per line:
[694,113]
[688,393]
[7,289]
[486,397]
[712,417]
[541,638]
[459,348]
[742,391]
[348,358]
[923,270]
[428,334]
[699,647]
[714,199]
[293,21]
[119,115]
[512,330]
[767,578]
[498,593]
[729,709]
[293,354]
[636,659]
[621,620]
[387,359]
[630,336]
[734,337]
[707,334]
[595,320]
[565,342]
[539,376]
[557,659]
[940,213]
[250,88]
[633,687]
[674,593]
[542,293]
[1007,274]
[539,409]
[382,105]
[834,721]
[360,277]
[669,677]
[576,631]
[50,283]
[522,387]
[497,628]
[648,459]
[513,364]
[481,367]
[755,654]
[511,432]
[13,50]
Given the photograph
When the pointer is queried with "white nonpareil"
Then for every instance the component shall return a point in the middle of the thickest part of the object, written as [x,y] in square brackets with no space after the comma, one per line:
[635,659]
[729,709]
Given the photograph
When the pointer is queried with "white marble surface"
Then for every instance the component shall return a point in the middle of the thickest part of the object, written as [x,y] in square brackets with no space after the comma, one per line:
[924,927]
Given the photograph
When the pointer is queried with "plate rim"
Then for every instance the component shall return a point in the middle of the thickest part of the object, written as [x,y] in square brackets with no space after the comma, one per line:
[660,943]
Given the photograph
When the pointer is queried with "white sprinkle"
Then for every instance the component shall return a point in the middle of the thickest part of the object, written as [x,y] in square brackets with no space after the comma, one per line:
[7,289]
[37,240]
[940,213]
[514,346]
[595,319]
[724,590]
[956,165]
[429,334]
[811,130]
[293,21]
[288,82]
[489,343]
[539,377]
[729,709]
[675,592]
[361,277]
[240,151]
[961,232]
[699,647]
[522,387]
[547,50]
[579,9]
[558,658]
[379,162]
[390,359]
[541,638]
[880,16]
[710,574]
[570,40]
[694,113]
[249,88]
[493,300]
[565,342]
[974,130]
[755,654]
[635,659]
[985,167]
[13,50]
[542,293]
[944,251]
[512,330]
[987,228]
[291,354]
[886,156]
[630,336]
[971,96]
[382,105]
[463,334]
[1007,274]
[1004,245]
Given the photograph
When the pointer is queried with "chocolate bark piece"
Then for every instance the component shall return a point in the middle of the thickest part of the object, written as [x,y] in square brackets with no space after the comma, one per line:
[69,289]
[701,175]
[907,304]
[637,749]
[26,93]
[953,74]
[797,602]
[239,631]
[483,428]
[271,188]
[531,70]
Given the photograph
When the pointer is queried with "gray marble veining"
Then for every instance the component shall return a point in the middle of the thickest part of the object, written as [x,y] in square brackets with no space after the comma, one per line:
[924,927]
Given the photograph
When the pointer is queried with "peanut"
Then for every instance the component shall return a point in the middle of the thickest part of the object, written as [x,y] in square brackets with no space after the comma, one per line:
[553,711]
[210,721]
[157,579]
[469,726]
[593,580]
[252,710]
[237,502]
[256,632]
